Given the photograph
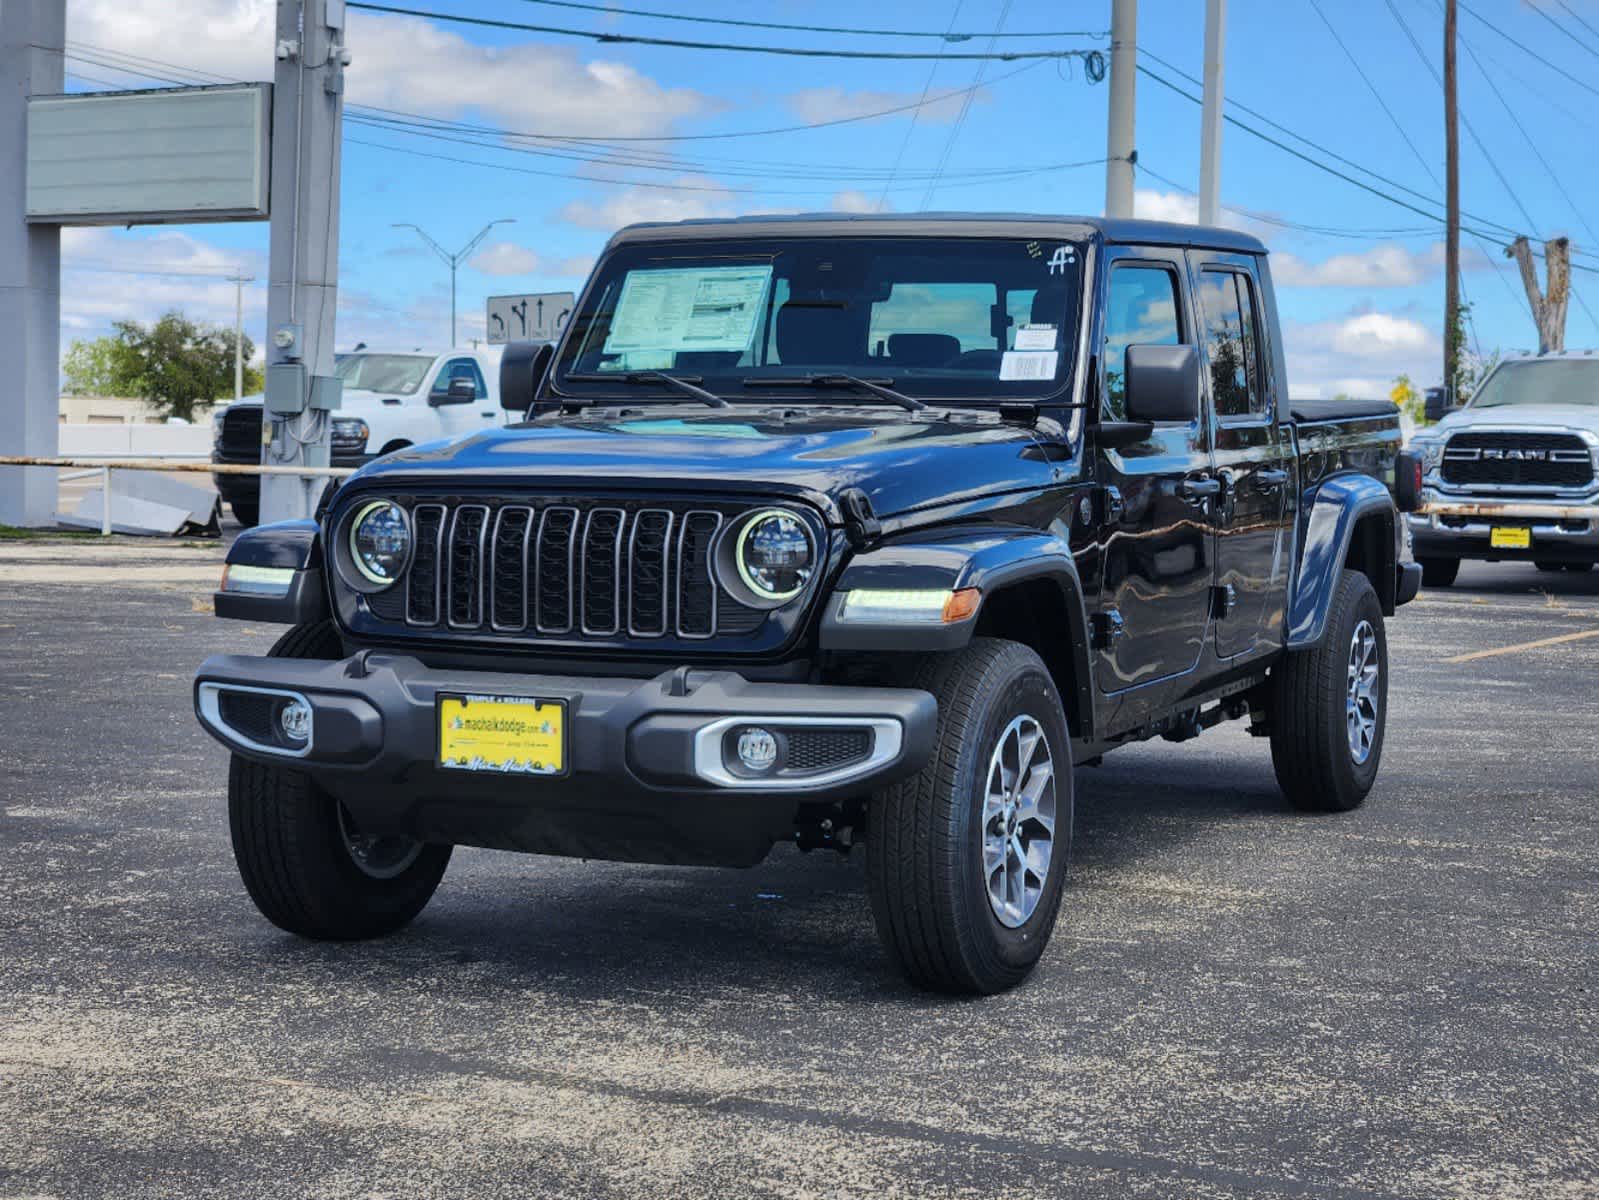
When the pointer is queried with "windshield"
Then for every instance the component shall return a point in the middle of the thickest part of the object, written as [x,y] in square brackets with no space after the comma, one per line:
[1555,381]
[950,318]
[384,372]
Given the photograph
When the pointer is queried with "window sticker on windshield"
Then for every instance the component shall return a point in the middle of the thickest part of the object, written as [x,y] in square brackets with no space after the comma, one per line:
[689,308]
[1028,364]
[1061,259]
[1035,337]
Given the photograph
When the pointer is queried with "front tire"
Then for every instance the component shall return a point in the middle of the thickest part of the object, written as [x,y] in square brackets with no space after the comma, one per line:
[1439,572]
[246,513]
[1329,705]
[306,865]
[966,860]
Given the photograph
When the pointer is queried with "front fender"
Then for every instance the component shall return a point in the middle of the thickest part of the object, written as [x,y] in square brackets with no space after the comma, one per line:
[990,560]
[1336,507]
[281,581]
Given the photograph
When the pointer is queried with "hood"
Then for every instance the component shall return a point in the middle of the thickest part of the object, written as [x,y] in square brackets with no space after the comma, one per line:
[1521,416]
[358,401]
[901,461]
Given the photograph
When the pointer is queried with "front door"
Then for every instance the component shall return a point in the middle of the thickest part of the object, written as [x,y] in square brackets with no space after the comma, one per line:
[460,414]
[1252,458]
[1156,594]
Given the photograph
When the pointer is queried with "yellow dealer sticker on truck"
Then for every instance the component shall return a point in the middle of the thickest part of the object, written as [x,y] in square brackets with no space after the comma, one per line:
[1510,537]
[514,735]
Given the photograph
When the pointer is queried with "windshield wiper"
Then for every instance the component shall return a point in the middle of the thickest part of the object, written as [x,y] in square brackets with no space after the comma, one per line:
[683,383]
[878,387]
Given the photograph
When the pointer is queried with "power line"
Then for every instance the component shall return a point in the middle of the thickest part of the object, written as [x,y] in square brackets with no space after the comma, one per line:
[1577,17]
[948,36]
[904,142]
[1550,18]
[683,44]
[966,107]
[1526,49]
[681,137]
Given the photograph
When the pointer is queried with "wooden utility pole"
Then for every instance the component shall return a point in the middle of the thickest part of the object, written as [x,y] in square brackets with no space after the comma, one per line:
[1548,305]
[1452,338]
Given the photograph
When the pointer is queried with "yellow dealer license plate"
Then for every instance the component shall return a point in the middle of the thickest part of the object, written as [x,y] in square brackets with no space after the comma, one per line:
[1510,537]
[512,735]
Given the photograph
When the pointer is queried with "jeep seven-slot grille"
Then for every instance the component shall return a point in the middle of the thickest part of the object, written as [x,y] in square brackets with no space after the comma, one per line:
[564,570]
[1514,459]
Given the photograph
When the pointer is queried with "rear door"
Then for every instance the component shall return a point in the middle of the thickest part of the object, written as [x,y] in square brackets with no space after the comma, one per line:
[1156,591]
[1252,453]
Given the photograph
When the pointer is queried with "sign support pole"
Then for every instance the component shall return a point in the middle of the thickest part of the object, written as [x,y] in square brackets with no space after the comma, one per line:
[307,130]
[32,39]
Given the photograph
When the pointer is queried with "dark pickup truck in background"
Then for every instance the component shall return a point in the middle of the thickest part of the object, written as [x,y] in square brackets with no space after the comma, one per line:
[827,530]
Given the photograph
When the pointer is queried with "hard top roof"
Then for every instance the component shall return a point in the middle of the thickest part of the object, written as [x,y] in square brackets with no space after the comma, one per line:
[1115,230]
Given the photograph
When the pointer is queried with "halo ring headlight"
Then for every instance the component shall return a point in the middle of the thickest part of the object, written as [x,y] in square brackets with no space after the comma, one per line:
[775,553]
[379,543]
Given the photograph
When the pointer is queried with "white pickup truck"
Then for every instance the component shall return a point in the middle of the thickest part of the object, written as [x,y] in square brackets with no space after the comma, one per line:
[392,399]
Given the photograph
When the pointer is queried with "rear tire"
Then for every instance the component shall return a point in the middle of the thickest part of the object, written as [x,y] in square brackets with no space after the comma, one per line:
[1329,705]
[967,859]
[1552,568]
[1439,572]
[248,515]
[307,867]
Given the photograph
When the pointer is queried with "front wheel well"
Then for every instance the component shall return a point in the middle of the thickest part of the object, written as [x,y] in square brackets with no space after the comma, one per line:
[1371,552]
[1035,613]
[392,445]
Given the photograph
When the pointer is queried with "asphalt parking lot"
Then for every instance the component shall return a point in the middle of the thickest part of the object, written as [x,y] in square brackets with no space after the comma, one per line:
[1239,1001]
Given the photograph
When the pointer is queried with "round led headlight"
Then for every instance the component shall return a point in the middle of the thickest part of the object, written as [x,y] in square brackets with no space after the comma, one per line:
[775,554]
[380,542]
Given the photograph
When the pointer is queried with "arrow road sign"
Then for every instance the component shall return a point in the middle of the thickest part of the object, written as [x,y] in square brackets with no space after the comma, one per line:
[540,317]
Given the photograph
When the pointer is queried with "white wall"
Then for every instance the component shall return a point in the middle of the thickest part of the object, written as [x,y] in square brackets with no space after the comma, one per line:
[135,441]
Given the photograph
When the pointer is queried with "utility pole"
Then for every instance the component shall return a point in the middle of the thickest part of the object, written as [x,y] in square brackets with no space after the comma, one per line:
[453,261]
[1120,149]
[1452,338]
[32,36]
[307,131]
[1210,122]
[238,336]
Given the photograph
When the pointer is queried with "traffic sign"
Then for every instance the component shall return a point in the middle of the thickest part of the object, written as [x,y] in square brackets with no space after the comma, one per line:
[538,317]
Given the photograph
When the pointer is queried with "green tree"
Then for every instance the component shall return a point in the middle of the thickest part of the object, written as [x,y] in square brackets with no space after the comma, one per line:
[97,367]
[1409,400]
[177,364]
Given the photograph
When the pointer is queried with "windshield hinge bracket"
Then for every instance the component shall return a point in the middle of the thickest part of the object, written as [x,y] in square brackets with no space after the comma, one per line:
[860,526]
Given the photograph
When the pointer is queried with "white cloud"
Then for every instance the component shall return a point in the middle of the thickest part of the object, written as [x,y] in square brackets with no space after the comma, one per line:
[1360,353]
[700,197]
[505,258]
[402,63]
[817,105]
[852,201]
[1150,205]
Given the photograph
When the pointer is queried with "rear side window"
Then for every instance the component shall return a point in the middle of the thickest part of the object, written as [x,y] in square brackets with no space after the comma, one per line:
[1228,301]
[1141,310]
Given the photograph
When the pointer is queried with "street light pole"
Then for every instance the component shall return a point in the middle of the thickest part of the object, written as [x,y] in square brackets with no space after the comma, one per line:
[453,261]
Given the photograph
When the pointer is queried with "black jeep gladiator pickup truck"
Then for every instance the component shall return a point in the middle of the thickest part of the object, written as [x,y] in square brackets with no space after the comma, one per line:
[825,530]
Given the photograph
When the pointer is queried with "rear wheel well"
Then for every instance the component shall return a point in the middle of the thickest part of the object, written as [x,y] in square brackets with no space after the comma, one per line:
[1371,552]
[1034,612]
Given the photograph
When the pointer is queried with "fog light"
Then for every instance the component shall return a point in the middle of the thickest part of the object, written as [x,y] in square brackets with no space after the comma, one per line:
[294,718]
[757,749]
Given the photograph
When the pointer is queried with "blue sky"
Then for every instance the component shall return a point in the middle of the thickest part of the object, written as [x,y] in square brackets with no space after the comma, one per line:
[1360,304]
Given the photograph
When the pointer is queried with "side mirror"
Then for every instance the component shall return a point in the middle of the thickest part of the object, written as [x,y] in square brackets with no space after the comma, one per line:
[522,368]
[1162,383]
[462,388]
[1408,470]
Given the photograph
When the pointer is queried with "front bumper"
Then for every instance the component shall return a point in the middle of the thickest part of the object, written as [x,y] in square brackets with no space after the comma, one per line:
[647,776]
[1451,527]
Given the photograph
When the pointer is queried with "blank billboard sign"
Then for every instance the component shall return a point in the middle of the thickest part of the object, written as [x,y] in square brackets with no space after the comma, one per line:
[171,154]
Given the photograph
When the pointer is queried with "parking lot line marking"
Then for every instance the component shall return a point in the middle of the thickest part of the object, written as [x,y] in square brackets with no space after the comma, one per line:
[1541,642]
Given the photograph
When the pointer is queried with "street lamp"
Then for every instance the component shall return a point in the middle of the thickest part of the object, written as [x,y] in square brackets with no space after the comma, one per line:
[455,260]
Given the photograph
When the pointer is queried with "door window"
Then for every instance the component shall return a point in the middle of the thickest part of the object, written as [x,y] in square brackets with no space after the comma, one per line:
[1231,343]
[460,368]
[1141,311]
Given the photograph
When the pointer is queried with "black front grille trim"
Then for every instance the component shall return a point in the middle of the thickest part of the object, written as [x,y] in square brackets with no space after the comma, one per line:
[1472,457]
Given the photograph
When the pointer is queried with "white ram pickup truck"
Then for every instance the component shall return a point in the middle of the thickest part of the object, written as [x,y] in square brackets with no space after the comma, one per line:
[392,399]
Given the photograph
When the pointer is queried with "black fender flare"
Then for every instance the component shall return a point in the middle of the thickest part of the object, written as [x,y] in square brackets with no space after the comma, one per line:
[1334,510]
[989,560]
[284,545]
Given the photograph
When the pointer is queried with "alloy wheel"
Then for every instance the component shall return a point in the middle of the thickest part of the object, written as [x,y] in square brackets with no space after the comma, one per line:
[1018,821]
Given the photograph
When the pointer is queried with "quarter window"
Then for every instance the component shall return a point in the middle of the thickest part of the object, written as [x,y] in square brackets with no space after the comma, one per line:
[1141,311]
[1228,301]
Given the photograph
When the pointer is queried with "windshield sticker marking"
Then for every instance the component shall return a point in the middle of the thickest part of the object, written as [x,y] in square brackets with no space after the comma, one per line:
[1028,364]
[661,312]
[1035,337]
[1061,259]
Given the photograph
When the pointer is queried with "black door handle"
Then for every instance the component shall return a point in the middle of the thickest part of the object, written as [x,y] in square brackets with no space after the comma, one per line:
[1271,479]
[1198,489]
